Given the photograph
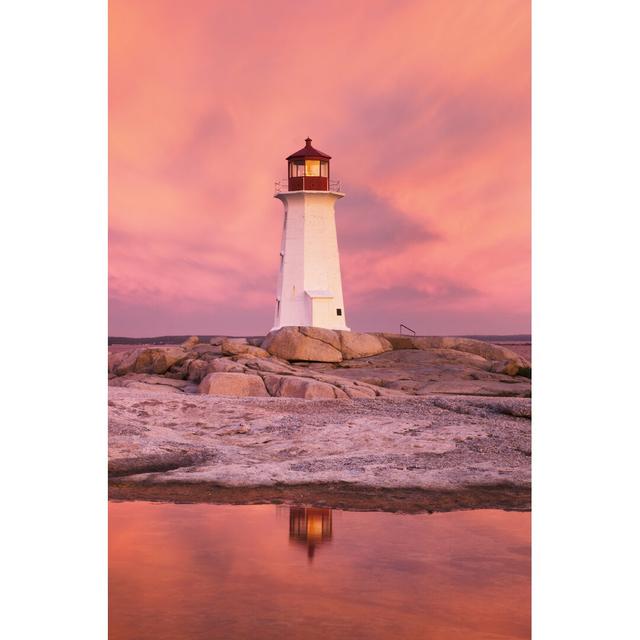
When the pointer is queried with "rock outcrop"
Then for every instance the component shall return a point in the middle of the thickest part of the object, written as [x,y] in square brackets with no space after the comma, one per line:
[233,384]
[309,362]
[304,344]
[361,345]
[157,360]
[147,382]
[225,365]
[204,349]
[197,370]
[180,370]
[428,371]
[511,361]
[272,365]
[191,342]
[234,348]
[312,344]
[295,387]
[429,442]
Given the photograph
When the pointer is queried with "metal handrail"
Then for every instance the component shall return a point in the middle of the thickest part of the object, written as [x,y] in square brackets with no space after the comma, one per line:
[281,186]
[407,328]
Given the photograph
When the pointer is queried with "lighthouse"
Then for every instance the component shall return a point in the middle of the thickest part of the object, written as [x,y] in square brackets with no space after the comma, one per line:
[309,291]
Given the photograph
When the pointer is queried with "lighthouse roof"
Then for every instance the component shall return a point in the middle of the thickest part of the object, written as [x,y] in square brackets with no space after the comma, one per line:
[308,152]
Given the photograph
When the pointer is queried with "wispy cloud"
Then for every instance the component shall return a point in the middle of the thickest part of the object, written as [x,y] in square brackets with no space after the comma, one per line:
[425,108]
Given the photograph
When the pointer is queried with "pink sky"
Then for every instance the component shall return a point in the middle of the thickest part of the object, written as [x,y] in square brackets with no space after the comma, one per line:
[424,107]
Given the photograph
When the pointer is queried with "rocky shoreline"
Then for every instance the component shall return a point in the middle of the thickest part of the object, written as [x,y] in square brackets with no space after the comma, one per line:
[312,363]
[325,417]
[470,452]
[330,496]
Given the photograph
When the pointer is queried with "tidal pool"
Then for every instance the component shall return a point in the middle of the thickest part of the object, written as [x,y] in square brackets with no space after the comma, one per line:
[202,571]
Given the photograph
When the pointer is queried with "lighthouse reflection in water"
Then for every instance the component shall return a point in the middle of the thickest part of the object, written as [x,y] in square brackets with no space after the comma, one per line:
[206,571]
[311,527]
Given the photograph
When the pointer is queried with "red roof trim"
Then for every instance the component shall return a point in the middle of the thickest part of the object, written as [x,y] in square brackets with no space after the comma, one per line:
[309,152]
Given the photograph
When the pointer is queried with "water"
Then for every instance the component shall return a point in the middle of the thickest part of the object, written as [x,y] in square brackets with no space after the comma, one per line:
[201,571]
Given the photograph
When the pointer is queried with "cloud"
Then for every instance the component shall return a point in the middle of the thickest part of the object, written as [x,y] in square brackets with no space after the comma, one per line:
[434,293]
[371,223]
[428,122]
[190,160]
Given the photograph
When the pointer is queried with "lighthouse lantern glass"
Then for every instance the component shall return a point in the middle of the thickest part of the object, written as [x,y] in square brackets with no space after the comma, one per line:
[296,168]
[312,168]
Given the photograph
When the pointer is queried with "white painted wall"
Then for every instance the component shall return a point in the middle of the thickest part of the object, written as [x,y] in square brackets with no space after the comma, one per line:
[309,282]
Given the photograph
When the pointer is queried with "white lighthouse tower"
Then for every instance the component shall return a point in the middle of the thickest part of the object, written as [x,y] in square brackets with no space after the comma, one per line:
[309,290]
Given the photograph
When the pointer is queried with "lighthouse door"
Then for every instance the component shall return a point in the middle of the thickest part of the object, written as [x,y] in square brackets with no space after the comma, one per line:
[319,305]
[321,312]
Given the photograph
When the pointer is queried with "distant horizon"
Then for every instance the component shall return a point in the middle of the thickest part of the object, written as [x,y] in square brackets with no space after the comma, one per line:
[427,120]
[180,336]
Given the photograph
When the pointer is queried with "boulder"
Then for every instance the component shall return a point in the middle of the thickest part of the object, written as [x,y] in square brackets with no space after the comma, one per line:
[191,342]
[148,382]
[158,361]
[525,372]
[146,360]
[119,361]
[360,392]
[443,357]
[480,348]
[411,371]
[341,395]
[508,367]
[272,365]
[202,349]
[156,388]
[233,348]
[304,343]
[161,380]
[179,371]
[399,341]
[295,387]
[233,384]
[225,365]
[361,345]
[197,370]
[324,335]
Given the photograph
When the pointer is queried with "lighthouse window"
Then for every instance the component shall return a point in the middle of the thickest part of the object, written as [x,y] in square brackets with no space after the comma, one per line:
[296,169]
[324,169]
[312,168]
[339,312]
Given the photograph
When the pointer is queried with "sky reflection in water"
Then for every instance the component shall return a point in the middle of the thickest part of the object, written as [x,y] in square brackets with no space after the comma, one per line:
[260,571]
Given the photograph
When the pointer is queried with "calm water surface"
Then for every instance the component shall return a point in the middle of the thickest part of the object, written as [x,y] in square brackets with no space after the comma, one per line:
[207,571]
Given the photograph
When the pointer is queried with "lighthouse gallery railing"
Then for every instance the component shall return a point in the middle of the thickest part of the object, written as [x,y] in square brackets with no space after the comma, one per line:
[282,186]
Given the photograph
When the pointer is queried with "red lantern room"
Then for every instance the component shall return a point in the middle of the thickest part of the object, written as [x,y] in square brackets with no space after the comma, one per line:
[308,169]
